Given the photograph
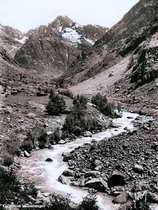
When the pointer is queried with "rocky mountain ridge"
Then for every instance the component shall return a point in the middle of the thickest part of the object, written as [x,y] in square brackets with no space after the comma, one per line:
[11,39]
[57,44]
[135,27]
[134,37]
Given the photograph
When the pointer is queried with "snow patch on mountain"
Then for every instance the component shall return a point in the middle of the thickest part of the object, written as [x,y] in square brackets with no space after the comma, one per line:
[23,40]
[60,28]
[71,35]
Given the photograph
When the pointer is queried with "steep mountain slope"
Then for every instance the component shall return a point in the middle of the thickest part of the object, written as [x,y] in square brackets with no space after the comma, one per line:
[103,81]
[139,88]
[55,46]
[135,38]
[11,39]
[135,27]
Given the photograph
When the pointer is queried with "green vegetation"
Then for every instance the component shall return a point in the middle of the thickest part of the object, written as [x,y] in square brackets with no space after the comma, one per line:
[8,159]
[89,203]
[80,102]
[103,105]
[11,190]
[56,104]
[75,121]
[9,185]
[36,137]
[58,202]
[55,137]
[81,118]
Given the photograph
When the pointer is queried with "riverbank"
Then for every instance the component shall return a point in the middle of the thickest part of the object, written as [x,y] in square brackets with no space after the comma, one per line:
[45,174]
[127,163]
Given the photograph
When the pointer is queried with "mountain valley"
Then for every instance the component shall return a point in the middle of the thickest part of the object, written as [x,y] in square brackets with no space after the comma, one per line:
[79,114]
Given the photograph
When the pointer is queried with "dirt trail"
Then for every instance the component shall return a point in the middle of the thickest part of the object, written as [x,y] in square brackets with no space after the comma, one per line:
[102,81]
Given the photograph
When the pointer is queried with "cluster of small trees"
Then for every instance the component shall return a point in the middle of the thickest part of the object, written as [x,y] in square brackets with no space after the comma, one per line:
[56,104]
[103,105]
[78,120]
[36,137]
[75,121]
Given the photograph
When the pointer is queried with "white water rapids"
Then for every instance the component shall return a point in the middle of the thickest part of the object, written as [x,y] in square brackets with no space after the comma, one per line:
[45,174]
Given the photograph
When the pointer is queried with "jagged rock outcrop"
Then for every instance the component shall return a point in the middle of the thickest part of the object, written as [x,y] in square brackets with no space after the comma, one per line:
[5,56]
[10,39]
[132,24]
[55,46]
[93,32]
[144,62]
[11,32]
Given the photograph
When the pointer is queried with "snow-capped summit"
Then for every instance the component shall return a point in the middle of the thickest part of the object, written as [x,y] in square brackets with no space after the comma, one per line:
[62,22]
[76,33]
[57,44]
[71,35]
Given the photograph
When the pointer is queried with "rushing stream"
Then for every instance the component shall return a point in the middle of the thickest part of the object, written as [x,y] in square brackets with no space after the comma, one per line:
[45,174]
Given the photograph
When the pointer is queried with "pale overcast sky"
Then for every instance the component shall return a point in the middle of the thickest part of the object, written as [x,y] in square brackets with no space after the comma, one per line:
[28,14]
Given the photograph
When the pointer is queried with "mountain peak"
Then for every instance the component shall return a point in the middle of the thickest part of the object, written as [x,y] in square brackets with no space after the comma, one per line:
[62,21]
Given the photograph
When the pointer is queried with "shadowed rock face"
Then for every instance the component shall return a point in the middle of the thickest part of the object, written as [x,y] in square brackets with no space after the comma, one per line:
[8,39]
[131,26]
[5,56]
[45,50]
[45,53]
[57,45]
[144,62]
[142,14]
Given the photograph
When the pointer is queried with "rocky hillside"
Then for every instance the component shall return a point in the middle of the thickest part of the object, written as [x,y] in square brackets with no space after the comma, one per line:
[56,45]
[11,39]
[144,62]
[123,38]
[123,63]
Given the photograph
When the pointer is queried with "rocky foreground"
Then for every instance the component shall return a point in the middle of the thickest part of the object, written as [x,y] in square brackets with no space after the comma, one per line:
[122,166]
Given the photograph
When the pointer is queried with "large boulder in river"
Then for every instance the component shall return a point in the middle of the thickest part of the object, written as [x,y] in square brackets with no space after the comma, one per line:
[26,154]
[49,160]
[64,180]
[66,156]
[98,184]
[116,179]
[138,169]
[68,172]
